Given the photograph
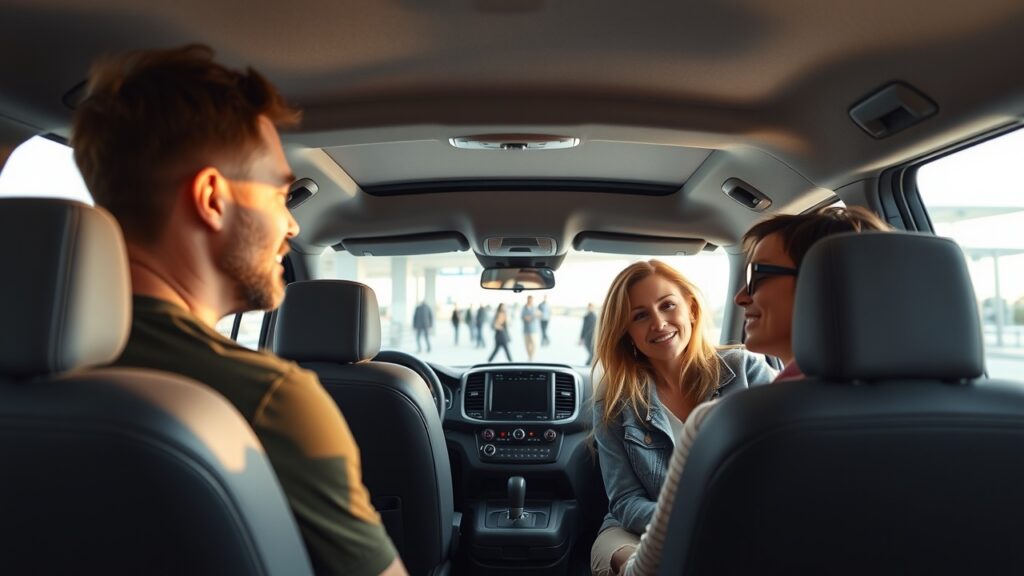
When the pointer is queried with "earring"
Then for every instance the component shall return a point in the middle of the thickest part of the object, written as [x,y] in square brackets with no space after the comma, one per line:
[634,351]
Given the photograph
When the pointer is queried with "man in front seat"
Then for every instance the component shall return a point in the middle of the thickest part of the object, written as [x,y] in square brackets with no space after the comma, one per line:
[185,154]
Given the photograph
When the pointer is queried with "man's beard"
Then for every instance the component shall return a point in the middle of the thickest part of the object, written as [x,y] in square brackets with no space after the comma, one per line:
[245,263]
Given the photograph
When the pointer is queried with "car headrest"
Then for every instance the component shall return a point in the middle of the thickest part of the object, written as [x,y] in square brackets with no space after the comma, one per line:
[881,305]
[67,296]
[328,321]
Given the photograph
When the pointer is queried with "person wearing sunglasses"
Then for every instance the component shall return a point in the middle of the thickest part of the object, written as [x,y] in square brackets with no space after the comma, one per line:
[775,249]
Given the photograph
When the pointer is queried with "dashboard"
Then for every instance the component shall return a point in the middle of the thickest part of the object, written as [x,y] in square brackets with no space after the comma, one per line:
[526,420]
[519,412]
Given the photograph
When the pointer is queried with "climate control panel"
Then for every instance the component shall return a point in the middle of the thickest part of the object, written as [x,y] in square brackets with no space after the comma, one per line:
[519,444]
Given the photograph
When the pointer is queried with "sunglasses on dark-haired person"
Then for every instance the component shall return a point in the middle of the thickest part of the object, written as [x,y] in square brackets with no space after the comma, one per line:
[757,272]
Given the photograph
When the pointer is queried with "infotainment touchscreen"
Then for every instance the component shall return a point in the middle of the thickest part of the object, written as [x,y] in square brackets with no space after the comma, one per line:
[520,396]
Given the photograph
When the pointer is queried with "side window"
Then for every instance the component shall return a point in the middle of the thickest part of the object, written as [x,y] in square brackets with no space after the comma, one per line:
[226,326]
[976,197]
[249,328]
[40,167]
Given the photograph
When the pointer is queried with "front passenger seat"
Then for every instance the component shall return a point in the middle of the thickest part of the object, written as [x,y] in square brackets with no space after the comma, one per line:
[115,470]
[893,456]
[332,327]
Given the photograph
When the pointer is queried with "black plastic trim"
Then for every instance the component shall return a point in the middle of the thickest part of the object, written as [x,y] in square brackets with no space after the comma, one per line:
[746,195]
[235,325]
[74,95]
[891,109]
[301,190]
[266,338]
[552,262]
[56,138]
[890,199]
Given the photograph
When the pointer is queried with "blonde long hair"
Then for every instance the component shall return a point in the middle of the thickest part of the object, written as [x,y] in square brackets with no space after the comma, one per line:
[627,373]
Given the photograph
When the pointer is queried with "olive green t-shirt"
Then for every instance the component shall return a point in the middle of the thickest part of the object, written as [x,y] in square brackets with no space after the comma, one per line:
[306,438]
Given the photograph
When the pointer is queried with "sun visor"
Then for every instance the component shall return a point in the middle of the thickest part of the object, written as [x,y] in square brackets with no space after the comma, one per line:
[636,245]
[409,245]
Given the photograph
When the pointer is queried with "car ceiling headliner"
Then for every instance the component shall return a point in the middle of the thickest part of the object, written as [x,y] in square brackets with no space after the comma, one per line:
[775,77]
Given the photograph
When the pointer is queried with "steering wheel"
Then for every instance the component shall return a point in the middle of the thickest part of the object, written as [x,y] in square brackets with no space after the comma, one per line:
[420,367]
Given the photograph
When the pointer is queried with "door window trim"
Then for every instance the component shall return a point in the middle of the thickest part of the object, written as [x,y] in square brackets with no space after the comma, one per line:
[898,195]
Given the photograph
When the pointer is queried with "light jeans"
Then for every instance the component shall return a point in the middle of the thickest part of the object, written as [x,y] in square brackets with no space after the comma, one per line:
[608,541]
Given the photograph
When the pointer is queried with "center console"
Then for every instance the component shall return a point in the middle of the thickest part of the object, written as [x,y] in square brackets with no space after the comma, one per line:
[519,412]
[522,445]
[522,438]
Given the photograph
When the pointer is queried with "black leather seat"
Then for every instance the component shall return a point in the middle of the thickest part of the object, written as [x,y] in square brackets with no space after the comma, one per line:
[892,457]
[333,328]
[115,471]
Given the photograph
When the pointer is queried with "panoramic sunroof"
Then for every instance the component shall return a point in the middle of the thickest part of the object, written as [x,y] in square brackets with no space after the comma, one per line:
[397,164]
[521,185]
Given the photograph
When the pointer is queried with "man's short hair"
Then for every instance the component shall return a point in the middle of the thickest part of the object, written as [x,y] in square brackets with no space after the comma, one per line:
[800,231]
[152,119]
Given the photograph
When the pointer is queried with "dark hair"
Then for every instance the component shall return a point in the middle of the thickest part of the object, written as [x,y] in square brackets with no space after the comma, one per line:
[151,119]
[800,231]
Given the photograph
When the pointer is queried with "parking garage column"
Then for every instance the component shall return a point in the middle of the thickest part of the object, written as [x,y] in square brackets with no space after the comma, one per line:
[346,266]
[430,287]
[999,307]
[400,312]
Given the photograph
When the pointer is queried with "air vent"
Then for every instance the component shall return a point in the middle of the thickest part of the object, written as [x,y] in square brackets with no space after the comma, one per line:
[473,395]
[565,396]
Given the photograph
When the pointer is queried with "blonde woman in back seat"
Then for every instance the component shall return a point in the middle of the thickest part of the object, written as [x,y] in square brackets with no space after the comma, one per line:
[658,364]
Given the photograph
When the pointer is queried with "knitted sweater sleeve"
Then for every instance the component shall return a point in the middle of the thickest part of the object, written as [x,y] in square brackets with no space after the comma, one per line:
[647,557]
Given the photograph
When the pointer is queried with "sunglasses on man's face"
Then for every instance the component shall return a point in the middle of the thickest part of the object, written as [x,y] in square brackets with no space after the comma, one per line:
[757,272]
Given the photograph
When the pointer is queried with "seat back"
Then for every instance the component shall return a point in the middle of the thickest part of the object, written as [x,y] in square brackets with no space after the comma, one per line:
[891,457]
[115,471]
[333,328]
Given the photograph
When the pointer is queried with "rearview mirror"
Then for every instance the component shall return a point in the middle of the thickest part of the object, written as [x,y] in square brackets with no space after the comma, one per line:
[517,279]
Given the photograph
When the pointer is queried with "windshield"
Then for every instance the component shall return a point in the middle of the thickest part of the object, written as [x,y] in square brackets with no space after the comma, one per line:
[443,287]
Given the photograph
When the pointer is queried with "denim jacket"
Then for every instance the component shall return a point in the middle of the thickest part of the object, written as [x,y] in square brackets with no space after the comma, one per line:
[634,453]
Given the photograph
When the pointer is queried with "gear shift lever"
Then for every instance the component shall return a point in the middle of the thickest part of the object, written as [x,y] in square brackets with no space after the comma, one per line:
[516,497]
